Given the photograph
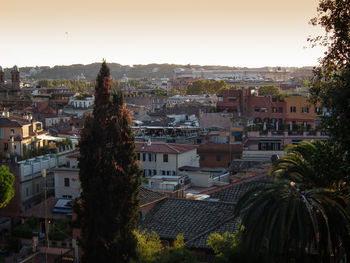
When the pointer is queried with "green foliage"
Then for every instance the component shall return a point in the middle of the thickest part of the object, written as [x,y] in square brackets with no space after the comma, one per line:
[33,152]
[269,90]
[7,180]
[65,142]
[23,231]
[179,241]
[304,214]
[110,179]
[206,87]
[221,244]
[76,85]
[174,92]
[149,247]
[26,229]
[60,230]
[331,85]
[178,255]
[227,248]
[312,164]
[32,222]
[160,92]
[13,244]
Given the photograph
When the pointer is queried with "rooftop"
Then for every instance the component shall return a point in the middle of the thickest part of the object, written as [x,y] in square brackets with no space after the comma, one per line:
[192,218]
[161,147]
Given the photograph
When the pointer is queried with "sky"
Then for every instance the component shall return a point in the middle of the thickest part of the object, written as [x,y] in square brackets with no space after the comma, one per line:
[250,33]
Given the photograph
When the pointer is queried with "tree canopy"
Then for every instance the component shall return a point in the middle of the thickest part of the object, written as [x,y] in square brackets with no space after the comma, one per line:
[109,176]
[269,90]
[203,86]
[7,180]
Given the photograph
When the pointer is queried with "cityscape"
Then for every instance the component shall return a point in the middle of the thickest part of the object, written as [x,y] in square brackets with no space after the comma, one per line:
[156,159]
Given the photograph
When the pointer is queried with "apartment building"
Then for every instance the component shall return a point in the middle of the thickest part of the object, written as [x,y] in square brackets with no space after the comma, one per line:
[268,110]
[67,184]
[17,134]
[30,185]
[159,158]
[299,111]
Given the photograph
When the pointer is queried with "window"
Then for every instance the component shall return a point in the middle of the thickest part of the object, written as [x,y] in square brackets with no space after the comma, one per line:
[12,131]
[305,110]
[280,109]
[237,136]
[218,158]
[147,172]
[165,158]
[264,110]
[144,157]
[1,133]
[154,172]
[6,146]
[317,110]
[274,109]
[163,172]
[202,157]
[37,188]
[220,99]
[154,157]
[27,191]
[256,109]
[293,109]
[138,156]
[66,182]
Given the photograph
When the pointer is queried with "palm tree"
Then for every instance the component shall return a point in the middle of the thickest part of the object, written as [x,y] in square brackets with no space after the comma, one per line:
[283,223]
[301,215]
[312,164]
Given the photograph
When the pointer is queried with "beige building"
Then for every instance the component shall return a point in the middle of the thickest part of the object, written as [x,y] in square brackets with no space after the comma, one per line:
[18,134]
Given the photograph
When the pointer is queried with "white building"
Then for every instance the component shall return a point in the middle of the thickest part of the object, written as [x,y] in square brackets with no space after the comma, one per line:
[159,158]
[67,184]
[82,102]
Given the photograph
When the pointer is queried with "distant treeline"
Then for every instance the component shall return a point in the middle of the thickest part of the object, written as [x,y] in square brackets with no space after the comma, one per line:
[76,85]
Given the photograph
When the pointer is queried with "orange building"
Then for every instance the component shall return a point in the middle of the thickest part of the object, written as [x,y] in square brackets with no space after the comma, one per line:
[299,111]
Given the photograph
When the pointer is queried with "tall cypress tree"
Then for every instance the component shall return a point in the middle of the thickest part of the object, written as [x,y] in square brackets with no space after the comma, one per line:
[109,177]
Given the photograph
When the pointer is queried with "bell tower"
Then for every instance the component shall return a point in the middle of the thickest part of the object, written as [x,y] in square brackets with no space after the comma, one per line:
[2,76]
[15,78]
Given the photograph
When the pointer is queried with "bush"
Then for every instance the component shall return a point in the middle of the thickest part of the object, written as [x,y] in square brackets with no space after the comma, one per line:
[23,231]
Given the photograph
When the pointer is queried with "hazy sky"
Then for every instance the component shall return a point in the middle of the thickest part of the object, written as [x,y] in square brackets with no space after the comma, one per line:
[207,32]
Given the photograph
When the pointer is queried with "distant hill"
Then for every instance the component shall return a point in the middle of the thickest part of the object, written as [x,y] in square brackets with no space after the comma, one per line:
[117,71]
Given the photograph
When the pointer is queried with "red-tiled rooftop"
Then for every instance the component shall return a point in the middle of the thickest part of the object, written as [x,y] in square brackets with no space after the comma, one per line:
[161,147]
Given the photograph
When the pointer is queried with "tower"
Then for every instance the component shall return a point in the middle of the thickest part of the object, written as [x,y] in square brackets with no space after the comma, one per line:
[15,78]
[2,76]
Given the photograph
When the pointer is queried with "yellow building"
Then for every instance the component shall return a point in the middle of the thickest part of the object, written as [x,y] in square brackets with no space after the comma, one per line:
[19,134]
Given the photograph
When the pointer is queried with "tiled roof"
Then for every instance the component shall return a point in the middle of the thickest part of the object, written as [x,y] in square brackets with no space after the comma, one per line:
[161,147]
[192,218]
[233,192]
[6,122]
[239,165]
[200,241]
[148,196]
